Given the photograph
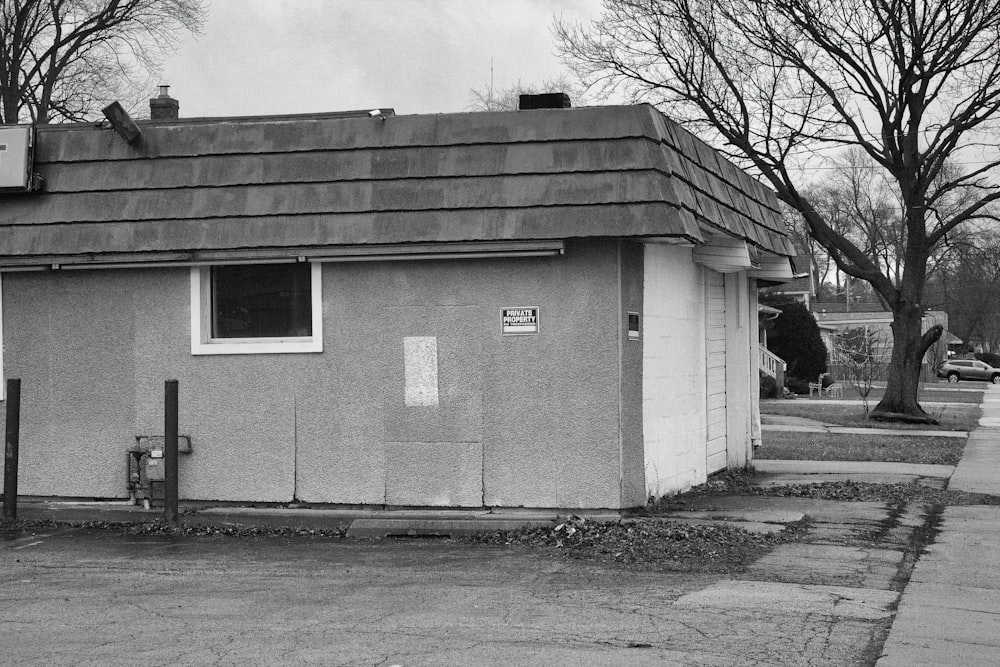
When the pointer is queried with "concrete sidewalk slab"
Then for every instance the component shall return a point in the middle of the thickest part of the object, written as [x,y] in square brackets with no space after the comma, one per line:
[854,430]
[859,403]
[918,652]
[947,596]
[761,516]
[764,597]
[949,612]
[754,521]
[749,526]
[979,469]
[850,467]
[957,626]
[812,563]
[789,479]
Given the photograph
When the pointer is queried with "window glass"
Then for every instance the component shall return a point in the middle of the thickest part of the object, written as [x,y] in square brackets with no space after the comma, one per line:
[261,301]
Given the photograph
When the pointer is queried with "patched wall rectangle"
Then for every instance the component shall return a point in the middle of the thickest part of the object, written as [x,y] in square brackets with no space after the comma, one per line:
[421,370]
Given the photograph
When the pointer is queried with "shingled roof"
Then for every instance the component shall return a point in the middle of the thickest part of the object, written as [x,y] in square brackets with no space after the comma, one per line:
[288,183]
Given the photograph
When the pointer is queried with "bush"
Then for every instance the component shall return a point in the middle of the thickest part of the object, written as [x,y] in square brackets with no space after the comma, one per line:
[768,386]
[988,357]
[797,385]
[796,339]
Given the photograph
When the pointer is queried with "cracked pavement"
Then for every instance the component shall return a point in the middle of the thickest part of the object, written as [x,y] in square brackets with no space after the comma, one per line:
[72,596]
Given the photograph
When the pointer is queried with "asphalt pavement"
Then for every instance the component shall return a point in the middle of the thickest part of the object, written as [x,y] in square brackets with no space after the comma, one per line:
[947,613]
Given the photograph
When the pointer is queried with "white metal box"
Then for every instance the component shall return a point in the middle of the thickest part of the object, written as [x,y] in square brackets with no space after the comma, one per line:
[15,154]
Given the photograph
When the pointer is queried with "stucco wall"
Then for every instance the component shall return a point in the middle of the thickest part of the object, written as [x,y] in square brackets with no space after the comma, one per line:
[526,420]
[74,357]
[673,384]
[633,462]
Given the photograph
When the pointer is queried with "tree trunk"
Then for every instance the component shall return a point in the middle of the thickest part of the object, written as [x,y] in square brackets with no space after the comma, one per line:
[908,348]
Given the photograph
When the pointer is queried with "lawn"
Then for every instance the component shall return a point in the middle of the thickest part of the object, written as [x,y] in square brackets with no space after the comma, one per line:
[951,418]
[845,447]
[932,392]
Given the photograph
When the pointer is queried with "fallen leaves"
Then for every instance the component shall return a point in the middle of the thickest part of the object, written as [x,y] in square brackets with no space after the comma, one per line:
[666,544]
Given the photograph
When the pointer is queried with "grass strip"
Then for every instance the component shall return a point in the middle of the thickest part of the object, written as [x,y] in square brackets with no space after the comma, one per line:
[785,445]
[950,418]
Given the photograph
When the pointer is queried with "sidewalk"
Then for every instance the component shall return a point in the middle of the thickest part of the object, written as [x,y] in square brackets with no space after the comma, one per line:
[949,613]
[783,472]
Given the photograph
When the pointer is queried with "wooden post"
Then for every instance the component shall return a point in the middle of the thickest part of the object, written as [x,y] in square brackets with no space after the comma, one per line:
[11,444]
[170,513]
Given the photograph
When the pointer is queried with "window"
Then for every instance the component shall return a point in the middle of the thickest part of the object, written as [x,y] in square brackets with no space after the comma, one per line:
[256,308]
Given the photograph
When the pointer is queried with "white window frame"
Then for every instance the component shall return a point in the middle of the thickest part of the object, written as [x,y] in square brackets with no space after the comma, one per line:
[201,320]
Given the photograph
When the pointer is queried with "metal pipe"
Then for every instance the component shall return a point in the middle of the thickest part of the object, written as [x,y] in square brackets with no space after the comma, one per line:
[170,513]
[11,445]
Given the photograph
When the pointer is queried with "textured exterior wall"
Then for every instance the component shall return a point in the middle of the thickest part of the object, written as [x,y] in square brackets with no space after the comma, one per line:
[741,361]
[526,420]
[74,358]
[633,454]
[550,403]
[673,383]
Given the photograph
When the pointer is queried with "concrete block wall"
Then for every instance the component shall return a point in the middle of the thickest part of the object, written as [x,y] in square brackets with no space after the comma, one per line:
[673,385]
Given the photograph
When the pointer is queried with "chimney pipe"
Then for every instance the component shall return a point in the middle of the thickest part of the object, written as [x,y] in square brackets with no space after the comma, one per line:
[163,107]
[544,101]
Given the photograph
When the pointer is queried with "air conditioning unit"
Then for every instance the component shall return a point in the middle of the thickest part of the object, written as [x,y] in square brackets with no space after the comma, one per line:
[15,158]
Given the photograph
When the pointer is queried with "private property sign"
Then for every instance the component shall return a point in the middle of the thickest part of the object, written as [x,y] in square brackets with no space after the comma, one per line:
[519,321]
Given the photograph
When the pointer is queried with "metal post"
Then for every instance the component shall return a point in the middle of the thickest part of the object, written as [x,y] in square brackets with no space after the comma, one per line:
[11,444]
[170,513]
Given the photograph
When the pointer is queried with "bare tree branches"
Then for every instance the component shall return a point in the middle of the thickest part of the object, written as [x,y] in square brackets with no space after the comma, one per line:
[783,85]
[65,59]
[491,98]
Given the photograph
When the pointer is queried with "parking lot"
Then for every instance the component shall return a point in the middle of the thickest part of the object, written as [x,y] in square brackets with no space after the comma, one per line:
[102,597]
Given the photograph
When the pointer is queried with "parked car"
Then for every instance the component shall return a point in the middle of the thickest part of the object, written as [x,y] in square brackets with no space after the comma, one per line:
[968,369]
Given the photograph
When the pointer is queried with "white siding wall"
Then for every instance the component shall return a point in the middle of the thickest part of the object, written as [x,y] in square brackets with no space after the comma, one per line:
[741,364]
[673,379]
[717,327]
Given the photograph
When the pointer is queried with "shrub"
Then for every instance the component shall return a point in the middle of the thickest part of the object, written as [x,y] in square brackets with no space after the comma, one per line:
[988,357]
[768,386]
[797,385]
[796,339]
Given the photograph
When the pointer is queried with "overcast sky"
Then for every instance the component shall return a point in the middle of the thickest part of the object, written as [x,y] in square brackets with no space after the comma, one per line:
[416,56]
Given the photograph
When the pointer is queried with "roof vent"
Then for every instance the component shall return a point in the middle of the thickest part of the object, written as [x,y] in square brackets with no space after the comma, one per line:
[163,107]
[544,101]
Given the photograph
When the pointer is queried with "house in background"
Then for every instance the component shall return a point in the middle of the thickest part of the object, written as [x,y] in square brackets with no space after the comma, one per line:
[545,308]
[800,288]
[836,317]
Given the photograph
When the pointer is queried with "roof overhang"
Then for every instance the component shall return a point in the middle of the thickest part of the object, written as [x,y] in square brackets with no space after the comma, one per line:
[359,253]
[774,269]
[724,254]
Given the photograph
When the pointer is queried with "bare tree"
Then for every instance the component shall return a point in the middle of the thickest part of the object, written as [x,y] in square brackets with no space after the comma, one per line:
[491,98]
[65,59]
[968,287]
[779,84]
[861,354]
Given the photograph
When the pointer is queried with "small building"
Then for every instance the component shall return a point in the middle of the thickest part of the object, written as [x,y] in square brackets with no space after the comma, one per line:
[545,308]
[835,318]
[801,288]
